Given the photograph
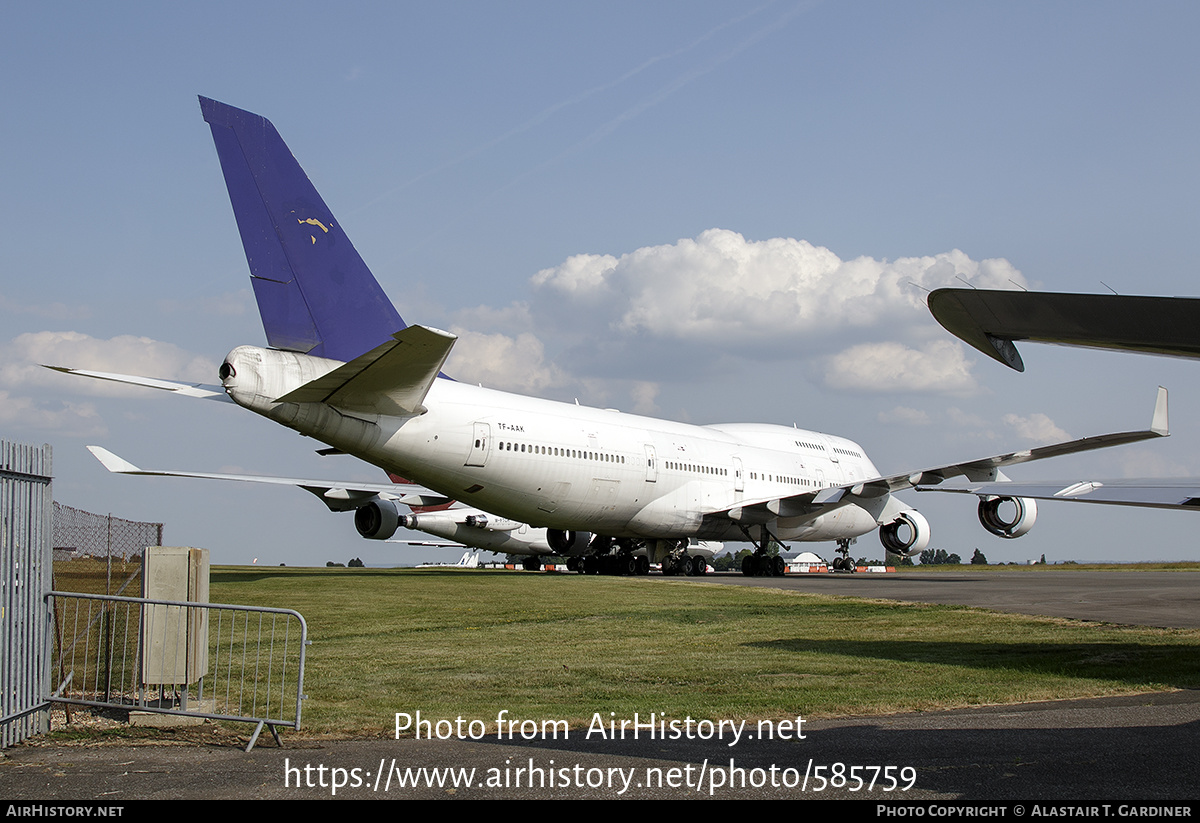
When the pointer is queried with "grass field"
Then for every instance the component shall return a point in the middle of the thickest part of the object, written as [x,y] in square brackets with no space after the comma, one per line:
[469,643]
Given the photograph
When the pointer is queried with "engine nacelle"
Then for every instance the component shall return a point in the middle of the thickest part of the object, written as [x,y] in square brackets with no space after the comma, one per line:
[377,520]
[917,538]
[1024,515]
[568,543]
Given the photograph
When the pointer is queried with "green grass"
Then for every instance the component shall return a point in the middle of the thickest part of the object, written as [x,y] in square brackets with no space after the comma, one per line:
[562,646]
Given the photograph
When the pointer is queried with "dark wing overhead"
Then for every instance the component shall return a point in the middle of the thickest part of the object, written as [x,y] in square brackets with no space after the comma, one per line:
[992,320]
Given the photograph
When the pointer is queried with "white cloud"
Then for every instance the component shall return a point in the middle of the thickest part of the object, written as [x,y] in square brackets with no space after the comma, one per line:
[905,416]
[721,286]
[20,368]
[487,318]
[21,359]
[1138,462]
[67,419]
[502,362]
[1036,427]
[940,366]
[644,395]
[966,420]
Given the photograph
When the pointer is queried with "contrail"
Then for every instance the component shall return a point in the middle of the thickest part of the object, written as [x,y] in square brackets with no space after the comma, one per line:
[545,114]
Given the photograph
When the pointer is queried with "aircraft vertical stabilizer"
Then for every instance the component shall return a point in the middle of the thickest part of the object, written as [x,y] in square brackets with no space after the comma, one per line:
[315,294]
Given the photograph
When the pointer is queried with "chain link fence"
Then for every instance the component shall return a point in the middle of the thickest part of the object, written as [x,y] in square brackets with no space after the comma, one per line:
[100,554]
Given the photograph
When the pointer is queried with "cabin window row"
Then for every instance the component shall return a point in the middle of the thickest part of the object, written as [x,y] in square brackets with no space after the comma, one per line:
[557,451]
[771,478]
[696,468]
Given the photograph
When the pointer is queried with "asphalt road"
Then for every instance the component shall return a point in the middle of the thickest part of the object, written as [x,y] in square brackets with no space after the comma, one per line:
[1150,598]
[1121,749]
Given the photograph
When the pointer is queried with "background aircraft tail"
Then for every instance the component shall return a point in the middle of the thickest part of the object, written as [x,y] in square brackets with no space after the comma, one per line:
[315,294]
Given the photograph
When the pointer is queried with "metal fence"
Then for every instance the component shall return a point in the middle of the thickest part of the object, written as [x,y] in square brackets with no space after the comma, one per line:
[100,554]
[176,657]
[25,505]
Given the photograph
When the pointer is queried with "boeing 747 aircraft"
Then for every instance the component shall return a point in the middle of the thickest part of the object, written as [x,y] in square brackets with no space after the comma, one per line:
[344,368]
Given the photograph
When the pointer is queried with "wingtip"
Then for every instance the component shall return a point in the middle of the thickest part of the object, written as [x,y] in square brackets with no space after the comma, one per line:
[1159,424]
[111,462]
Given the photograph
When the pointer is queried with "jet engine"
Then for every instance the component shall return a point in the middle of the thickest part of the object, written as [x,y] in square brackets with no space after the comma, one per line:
[1024,515]
[378,520]
[891,534]
[568,543]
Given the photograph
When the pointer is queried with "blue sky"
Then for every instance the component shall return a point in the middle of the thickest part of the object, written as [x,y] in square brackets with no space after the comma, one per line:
[706,211]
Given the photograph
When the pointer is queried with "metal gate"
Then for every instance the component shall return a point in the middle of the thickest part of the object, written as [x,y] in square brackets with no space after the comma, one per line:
[208,660]
[251,666]
[26,508]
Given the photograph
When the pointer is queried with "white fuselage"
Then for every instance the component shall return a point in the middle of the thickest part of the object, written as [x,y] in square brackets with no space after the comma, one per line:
[571,467]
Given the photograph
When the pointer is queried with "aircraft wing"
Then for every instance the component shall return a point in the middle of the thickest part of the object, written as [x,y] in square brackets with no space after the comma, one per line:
[987,468]
[337,495]
[991,320]
[1180,493]
[201,390]
[873,494]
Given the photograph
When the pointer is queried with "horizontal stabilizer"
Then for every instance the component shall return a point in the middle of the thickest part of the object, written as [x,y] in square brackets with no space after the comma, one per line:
[391,379]
[201,390]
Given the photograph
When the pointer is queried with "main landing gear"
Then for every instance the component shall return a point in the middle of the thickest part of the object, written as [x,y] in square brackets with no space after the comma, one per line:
[845,563]
[617,557]
[685,564]
[762,564]
[606,560]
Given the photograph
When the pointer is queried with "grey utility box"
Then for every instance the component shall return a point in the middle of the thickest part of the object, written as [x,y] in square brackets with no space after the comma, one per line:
[174,638]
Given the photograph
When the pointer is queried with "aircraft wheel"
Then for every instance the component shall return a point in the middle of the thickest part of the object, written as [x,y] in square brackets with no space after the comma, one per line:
[748,565]
[643,565]
[699,565]
[778,566]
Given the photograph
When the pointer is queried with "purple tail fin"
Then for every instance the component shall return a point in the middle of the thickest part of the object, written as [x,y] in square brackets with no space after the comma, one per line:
[315,294]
